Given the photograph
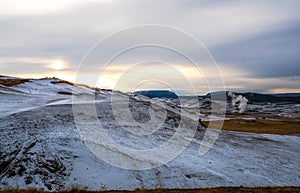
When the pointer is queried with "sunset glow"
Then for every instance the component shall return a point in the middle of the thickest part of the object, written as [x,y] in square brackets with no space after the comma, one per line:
[57,65]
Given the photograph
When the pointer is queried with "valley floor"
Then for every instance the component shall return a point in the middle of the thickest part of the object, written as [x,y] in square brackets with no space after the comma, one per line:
[41,147]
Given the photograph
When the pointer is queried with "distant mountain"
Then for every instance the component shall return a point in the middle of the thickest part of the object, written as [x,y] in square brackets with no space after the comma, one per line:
[158,94]
[218,95]
[286,95]
[257,97]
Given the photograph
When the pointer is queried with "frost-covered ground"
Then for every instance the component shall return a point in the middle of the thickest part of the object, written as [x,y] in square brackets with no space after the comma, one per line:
[40,146]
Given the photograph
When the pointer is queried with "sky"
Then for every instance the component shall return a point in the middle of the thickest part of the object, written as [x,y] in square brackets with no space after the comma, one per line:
[255,44]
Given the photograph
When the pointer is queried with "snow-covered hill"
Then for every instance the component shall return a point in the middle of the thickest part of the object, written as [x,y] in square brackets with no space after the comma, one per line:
[41,147]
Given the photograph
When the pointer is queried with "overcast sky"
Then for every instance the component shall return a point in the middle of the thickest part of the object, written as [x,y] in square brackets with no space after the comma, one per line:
[255,43]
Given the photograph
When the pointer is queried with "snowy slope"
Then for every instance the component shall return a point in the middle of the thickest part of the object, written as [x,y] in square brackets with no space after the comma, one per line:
[35,93]
[41,147]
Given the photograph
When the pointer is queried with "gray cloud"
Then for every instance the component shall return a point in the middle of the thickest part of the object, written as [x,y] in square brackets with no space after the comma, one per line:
[272,54]
[258,37]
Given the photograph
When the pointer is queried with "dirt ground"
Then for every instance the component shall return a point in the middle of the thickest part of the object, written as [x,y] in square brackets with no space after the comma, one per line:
[262,126]
[205,190]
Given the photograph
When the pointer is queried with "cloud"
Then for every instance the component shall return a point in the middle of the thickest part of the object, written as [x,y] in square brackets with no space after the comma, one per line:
[250,40]
[272,54]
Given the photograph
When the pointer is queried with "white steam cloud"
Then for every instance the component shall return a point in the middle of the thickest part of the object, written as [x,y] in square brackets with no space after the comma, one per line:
[240,100]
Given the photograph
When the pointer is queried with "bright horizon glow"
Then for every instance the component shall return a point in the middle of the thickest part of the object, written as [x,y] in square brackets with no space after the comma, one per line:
[106,82]
[57,65]
[284,90]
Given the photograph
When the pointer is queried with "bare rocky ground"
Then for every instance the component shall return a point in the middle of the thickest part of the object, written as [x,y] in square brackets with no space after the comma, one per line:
[40,147]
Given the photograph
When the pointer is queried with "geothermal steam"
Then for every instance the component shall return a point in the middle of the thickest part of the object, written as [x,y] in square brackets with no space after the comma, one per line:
[239,100]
